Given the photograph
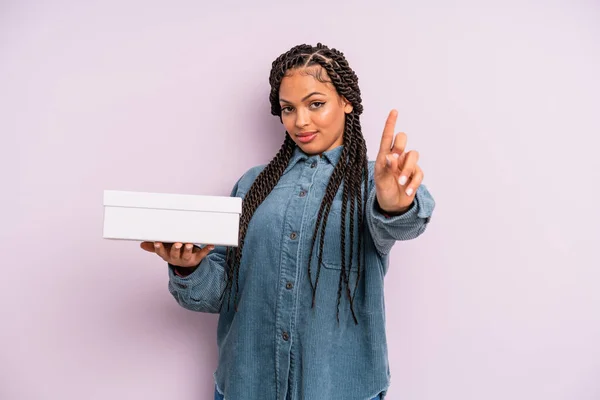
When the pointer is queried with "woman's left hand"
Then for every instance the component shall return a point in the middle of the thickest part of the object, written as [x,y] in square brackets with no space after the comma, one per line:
[397,175]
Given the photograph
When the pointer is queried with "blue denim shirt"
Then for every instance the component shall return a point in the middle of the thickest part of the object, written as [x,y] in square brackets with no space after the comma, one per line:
[276,346]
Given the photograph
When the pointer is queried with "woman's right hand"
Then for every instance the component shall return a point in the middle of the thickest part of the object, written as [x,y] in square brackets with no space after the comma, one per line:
[178,254]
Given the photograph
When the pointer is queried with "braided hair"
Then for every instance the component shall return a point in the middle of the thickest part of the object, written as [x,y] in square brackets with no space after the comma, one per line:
[350,172]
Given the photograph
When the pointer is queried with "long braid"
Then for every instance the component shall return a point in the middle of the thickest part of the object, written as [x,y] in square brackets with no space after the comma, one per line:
[352,195]
[345,193]
[350,172]
[362,207]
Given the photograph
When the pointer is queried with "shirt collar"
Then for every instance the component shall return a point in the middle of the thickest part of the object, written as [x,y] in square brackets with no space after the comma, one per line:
[332,156]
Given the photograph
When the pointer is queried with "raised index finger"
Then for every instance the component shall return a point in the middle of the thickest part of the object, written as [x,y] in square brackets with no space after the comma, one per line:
[388,132]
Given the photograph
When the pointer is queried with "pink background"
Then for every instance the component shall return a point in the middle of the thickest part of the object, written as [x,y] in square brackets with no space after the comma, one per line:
[499,300]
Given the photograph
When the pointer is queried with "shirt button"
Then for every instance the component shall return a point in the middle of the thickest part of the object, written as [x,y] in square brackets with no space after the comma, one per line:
[285,336]
[302,193]
[289,285]
[293,235]
[313,165]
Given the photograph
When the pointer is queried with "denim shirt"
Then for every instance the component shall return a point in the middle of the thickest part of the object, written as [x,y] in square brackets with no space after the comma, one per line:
[276,346]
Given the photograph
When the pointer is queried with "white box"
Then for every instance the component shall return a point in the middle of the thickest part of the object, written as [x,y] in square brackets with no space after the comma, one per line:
[170,218]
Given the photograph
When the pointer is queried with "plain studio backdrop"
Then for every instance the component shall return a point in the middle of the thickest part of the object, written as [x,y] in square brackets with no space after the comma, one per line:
[498,300]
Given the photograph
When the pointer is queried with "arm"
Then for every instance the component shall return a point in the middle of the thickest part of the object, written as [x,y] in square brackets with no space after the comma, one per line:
[398,207]
[201,288]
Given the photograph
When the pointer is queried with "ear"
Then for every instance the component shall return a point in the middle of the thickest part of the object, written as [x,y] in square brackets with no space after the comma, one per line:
[347,106]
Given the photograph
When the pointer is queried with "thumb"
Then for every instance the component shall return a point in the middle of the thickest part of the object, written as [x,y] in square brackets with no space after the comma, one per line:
[148,246]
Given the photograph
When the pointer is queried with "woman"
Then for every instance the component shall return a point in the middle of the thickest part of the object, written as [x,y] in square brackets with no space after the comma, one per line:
[301,298]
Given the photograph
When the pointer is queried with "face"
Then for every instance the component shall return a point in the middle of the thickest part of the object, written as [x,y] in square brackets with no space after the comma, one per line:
[312,111]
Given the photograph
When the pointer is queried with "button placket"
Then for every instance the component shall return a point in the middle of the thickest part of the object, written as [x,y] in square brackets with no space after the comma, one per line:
[286,309]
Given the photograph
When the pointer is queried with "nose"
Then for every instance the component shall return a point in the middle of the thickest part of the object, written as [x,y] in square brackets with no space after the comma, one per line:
[302,118]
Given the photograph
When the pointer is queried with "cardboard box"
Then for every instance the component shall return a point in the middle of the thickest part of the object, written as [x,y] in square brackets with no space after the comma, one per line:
[170,218]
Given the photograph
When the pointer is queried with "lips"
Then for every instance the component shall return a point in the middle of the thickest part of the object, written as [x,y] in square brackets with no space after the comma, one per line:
[306,137]
[303,134]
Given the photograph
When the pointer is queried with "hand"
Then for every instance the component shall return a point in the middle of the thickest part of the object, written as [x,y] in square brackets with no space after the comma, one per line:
[397,175]
[177,254]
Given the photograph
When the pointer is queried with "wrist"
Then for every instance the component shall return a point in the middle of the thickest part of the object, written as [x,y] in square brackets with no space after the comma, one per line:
[393,213]
[182,271]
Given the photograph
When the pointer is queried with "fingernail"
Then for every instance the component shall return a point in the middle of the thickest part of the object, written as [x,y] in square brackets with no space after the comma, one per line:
[402,180]
[396,155]
[156,245]
[189,246]
[211,247]
[409,191]
[178,245]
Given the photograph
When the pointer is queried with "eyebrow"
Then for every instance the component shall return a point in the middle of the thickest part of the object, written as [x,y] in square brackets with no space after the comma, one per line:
[304,98]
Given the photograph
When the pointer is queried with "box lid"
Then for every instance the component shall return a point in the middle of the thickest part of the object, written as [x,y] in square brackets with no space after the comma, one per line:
[187,202]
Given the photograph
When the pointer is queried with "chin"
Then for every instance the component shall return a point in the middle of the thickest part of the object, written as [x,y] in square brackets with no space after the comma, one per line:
[317,146]
[311,148]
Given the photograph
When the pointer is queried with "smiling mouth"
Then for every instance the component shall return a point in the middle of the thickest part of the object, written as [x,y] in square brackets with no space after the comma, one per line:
[306,137]
[307,133]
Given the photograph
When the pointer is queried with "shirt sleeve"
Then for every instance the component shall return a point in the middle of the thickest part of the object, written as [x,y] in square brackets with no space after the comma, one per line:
[203,289]
[386,230]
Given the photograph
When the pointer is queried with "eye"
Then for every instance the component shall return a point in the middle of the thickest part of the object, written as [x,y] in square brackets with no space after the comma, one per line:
[286,110]
[317,104]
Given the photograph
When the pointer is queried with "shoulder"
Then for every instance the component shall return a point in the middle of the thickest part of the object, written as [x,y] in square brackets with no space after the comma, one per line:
[246,180]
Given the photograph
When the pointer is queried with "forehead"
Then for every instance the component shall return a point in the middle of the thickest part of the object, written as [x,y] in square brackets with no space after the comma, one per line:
[299,83]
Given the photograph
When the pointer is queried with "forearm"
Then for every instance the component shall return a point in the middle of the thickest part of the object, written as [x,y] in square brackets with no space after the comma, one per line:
[387,228]
[202,288]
